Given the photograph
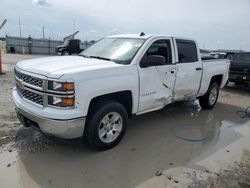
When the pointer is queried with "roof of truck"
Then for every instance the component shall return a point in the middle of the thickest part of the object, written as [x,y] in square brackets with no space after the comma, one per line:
[145,36]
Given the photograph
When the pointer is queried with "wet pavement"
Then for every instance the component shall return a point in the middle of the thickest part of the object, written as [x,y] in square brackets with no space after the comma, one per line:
[179,146]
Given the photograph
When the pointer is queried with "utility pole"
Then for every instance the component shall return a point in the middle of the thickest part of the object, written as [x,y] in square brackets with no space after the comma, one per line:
[49,32]
[43,32]
[20,29]
[73,25]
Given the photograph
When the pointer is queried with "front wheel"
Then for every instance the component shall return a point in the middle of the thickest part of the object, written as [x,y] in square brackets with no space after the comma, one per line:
[106,125]
[209,100]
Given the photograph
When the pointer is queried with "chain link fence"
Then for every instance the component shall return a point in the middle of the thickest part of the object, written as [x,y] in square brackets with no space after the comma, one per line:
[31,45]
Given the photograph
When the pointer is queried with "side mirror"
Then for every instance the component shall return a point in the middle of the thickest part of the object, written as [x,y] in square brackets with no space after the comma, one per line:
[152,60]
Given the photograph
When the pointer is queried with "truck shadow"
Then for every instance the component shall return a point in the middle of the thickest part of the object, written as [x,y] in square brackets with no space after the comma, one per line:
[172,137]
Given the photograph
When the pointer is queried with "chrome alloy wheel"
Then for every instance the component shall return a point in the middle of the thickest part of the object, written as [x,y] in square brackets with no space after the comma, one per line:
[110,127]
[213,96]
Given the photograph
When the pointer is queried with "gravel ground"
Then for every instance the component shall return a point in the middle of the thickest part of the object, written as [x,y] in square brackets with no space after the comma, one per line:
[9,124]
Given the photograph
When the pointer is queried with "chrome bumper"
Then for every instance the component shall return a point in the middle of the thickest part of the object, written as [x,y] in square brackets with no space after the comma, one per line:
[67,129]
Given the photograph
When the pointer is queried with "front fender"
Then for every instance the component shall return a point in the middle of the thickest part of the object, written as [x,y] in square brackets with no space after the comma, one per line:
[90,89]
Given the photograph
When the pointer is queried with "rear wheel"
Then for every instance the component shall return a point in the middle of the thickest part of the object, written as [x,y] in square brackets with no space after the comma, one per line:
[106,125]
[209,100]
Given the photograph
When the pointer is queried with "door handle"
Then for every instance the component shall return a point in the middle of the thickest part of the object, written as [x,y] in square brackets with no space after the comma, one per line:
[198,68]
[172,71]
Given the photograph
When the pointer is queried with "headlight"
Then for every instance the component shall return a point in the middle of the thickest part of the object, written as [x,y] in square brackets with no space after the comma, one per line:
[61,86]
[61,101]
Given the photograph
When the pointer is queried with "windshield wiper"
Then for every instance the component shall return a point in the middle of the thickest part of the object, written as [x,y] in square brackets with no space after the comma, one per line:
[83,55]
[98,57]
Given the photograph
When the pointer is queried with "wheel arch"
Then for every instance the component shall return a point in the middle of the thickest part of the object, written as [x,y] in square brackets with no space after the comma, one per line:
[216,79]
[123,97]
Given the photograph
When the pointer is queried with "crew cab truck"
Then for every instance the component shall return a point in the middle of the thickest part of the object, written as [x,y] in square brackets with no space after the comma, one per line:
[240,68]
[92,95]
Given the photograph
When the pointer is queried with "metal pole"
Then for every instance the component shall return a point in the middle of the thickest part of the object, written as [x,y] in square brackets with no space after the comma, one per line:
[73,25]
[43,33]
[1,68]
[20,29]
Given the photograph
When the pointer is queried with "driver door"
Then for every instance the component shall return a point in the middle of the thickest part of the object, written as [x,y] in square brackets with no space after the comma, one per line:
[157,81]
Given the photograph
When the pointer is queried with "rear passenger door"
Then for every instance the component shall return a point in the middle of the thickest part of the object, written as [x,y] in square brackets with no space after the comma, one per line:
[189,70]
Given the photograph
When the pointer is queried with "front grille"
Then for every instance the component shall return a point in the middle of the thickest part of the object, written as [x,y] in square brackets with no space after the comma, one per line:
[29,79]
[34,97]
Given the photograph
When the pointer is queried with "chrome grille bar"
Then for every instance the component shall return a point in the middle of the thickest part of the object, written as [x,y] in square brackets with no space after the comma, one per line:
[37,82]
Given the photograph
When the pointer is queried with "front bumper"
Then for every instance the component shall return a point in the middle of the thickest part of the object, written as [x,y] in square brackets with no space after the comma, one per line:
[239,78]
[63,128]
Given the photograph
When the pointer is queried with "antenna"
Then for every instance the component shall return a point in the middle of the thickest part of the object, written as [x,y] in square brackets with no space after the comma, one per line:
[142,34]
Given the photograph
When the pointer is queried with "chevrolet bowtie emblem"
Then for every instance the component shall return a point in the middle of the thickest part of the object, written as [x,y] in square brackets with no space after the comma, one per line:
[20,85]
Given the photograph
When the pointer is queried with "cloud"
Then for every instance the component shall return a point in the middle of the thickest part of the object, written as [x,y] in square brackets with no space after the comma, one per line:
[40,3]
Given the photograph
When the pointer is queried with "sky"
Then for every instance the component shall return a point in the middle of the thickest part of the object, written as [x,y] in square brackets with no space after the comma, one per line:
[223,24]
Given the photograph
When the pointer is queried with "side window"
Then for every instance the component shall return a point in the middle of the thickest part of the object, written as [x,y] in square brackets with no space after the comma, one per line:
[161,47]
[187,51]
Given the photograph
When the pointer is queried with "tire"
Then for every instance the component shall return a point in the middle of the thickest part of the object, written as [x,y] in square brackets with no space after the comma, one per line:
[100,131]
[209,100]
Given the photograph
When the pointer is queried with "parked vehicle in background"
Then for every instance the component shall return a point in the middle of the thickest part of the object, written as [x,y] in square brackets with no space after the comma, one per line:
[240,68]
[225,54]
[218,55]
[70,46]
[93,94]
[229,55]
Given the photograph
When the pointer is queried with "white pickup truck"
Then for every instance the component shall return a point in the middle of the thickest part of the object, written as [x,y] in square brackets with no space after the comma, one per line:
[92,95]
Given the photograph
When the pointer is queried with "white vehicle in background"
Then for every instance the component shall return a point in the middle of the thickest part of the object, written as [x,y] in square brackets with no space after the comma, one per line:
[94,94]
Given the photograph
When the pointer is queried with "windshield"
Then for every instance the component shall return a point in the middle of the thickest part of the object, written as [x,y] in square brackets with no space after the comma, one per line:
[119,50]
[245,57]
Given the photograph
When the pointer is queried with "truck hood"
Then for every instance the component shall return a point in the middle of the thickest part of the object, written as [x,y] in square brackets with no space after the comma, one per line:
[55,67]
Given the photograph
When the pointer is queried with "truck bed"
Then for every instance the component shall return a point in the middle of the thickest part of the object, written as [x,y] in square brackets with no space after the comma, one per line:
[213,67]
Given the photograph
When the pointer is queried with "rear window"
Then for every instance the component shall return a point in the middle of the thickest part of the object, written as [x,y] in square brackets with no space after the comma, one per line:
[244,57]
[187,51]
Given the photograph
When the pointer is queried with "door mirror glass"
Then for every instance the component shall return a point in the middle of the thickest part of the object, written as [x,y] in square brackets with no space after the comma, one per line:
[152,60]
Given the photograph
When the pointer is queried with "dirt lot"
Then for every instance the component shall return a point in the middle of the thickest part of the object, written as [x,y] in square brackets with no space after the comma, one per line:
[179,146]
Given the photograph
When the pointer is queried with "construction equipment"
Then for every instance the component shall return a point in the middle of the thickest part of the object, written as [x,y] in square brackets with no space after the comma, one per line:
[72,36]
[3,23]
[70,45]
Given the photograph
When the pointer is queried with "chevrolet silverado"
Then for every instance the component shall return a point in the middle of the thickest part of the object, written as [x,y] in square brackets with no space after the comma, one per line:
[93,94]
